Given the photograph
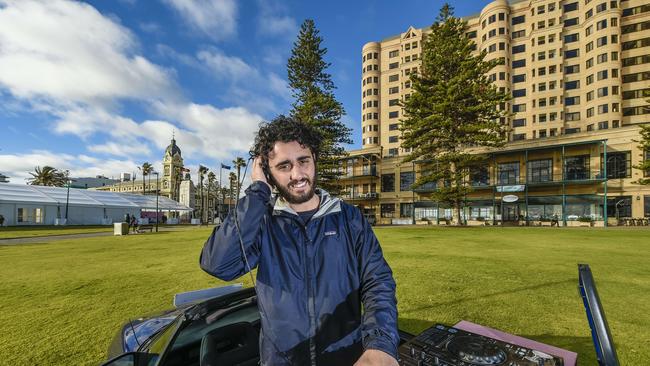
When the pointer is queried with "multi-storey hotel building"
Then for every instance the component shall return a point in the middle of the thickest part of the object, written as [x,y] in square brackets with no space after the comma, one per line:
[579,75]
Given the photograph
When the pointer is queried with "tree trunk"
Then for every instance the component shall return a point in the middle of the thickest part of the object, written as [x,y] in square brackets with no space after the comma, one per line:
[458,216]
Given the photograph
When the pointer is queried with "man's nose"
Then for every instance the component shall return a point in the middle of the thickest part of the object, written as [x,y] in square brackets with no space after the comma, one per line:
[297,172]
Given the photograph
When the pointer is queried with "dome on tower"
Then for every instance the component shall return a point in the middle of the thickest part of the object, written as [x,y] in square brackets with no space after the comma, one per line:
[173,149]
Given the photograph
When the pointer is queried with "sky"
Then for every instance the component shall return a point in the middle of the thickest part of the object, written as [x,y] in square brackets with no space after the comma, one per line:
[99,87]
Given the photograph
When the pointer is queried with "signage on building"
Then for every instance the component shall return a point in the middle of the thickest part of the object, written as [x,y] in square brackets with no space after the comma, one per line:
[510,198]
[515,188]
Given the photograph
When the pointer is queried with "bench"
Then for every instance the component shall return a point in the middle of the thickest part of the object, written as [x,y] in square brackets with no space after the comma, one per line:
[142,228]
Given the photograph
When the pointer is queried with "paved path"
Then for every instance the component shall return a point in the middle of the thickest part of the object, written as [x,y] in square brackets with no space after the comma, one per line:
[50,238]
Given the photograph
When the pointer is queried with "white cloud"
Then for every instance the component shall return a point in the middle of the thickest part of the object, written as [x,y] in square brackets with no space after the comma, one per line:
[18,166]
[272,20]
[66,51]
[226,67]
[215,133]
[217,19]
[151,27]
[121,149]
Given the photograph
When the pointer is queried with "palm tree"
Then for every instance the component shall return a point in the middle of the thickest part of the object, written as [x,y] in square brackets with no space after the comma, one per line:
[146,169]
[48,176]
[202,172]
[211,179]
[239,163]
[233,183]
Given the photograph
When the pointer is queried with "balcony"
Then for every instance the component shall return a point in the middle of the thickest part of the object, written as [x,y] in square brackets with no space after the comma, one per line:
[360,196]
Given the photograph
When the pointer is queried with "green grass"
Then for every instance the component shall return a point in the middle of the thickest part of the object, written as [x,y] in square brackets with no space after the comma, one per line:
[63,301]
[36,231]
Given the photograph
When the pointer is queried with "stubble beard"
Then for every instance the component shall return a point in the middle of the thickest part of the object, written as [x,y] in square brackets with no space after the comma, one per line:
[295,199]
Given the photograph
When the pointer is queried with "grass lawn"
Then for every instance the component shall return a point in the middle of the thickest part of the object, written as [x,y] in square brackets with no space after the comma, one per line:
[11,232]
[64,300]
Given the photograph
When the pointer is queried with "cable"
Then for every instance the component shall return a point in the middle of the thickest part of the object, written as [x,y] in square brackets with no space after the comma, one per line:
[248,266]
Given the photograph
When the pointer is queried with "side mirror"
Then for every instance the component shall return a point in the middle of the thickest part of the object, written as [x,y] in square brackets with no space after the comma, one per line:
[131,359]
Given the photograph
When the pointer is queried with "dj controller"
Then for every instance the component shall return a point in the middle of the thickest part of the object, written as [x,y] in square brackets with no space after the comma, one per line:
[448,346]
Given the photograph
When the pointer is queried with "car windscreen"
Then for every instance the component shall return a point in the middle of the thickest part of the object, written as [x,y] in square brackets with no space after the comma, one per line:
[186,346]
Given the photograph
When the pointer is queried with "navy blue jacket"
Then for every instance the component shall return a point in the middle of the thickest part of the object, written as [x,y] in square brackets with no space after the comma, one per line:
[311,279]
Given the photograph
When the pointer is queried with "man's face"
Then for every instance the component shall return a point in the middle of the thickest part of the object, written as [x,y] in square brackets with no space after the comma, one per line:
[294,171]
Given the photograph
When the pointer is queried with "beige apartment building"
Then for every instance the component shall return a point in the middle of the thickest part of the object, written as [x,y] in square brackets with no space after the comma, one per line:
[579,75]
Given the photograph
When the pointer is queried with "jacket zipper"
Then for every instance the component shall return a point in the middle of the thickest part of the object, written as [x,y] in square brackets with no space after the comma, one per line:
[311,304]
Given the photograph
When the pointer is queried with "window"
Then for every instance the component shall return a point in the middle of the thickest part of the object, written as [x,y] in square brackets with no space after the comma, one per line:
[631,61]
[393,139]
[575,116]
[519,108]
[590,95]
[540,170]
[508,173]
[602,92]
[589,13]
[541,71]
[571,22]
[393,53]
[393,127]
[393,77]
[518,20]
[601,24]
[519,48]
[619,164]
[518,136]
[393,114]
[601,75]
[601,7]
[393,65]
[393,102]
[572,69]
[570,7]
[571,38]
[634,94]
[519,122]
[518,78]
[392,151]
[590,79]
[393,90]
[635,27]
[471,34]
[518,63]
[572,100]
[542,118]
[601,41]
[571,53]
[406,180]
[603,125]
[519,93]
[639,76]
[542,133]
[576,167]
[388,182]
[388,209]
[480,176]
[570,85]
[603,108]
[601,58]
[518,34]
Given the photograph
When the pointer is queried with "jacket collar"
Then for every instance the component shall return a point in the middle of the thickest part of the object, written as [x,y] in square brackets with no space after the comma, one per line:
[328,204]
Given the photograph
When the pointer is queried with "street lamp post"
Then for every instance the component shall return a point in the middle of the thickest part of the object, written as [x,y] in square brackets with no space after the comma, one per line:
[67,196]
[157,182]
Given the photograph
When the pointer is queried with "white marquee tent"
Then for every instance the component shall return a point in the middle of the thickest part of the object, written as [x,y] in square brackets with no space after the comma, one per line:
[40,205]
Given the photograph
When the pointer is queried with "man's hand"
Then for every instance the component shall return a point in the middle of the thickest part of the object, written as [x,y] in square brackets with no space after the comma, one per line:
[257,173]
[373,357]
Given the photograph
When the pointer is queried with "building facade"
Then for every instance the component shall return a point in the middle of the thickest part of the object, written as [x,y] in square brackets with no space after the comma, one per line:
[578,73]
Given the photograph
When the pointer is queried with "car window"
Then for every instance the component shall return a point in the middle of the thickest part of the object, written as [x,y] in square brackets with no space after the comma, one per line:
[159,342]
[186,347]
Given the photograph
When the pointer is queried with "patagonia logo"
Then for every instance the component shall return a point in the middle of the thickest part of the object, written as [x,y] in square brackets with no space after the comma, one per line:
[329,233]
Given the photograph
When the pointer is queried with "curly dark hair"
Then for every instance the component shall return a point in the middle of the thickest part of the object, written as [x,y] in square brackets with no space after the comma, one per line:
[285,129]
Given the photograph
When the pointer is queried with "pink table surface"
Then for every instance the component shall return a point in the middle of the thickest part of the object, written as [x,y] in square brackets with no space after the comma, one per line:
[570,358]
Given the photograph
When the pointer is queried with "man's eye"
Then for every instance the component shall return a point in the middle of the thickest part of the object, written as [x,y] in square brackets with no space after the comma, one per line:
[283,167]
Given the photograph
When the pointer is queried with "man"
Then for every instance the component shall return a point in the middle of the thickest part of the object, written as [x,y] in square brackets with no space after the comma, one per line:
[317,258]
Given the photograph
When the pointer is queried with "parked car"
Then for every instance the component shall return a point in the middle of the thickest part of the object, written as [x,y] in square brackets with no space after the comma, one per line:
[213,327]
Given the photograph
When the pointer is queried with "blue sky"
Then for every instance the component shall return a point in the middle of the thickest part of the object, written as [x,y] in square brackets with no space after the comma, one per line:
[98,87]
